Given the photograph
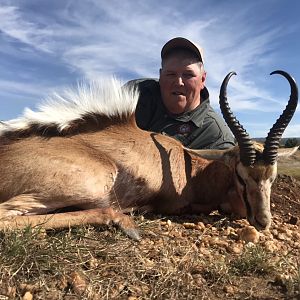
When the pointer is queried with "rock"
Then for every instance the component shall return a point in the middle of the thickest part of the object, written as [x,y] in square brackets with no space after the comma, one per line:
[204,251]
[229,289]
[199,280]
[93,263]
[24,287]
[270,246]
[216,241]
[9,291]
[249,234]
[297,245]
[281,237]
[189,225]
[27,296]
[236,248]
[200,225]
[294,220]
[78,283]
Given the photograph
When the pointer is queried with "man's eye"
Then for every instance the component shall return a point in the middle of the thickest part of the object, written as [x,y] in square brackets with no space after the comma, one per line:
[188,75]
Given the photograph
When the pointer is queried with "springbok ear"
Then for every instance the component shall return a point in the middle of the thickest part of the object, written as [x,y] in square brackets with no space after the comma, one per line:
[286,152]
[208,153]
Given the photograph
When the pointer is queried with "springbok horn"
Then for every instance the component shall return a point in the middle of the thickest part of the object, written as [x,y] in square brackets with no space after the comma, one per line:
[247,150]
[272,141]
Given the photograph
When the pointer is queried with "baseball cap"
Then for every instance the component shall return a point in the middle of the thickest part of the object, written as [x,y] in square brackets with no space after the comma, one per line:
[180,42]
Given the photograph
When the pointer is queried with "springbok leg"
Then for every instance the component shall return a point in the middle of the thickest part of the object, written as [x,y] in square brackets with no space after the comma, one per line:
[95,216]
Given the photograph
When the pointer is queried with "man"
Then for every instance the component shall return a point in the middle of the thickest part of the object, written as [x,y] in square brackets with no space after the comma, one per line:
[178,104]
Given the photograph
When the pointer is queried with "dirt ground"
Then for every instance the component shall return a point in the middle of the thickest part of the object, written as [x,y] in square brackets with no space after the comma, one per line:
[285,197]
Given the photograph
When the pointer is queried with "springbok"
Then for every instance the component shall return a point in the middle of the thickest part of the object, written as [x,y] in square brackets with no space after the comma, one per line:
[84,150]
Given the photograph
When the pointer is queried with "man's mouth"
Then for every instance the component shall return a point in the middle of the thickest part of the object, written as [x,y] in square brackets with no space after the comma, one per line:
[177,94]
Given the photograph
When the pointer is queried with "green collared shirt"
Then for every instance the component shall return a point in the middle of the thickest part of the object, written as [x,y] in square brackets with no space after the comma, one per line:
[201,128]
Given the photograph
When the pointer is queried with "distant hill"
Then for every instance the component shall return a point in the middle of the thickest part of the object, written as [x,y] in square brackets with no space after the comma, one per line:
[282,141]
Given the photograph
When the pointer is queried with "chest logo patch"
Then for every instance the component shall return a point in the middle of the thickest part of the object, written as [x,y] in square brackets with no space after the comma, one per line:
[184,129]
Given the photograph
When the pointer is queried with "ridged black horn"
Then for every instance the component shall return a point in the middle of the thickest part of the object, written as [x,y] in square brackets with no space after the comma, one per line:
[247,150]
[275,133]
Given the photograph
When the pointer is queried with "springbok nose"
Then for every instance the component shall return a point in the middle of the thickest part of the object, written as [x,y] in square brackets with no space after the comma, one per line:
[262,221]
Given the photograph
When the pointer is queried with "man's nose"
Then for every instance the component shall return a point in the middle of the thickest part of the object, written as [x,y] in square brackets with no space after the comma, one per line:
[179,81]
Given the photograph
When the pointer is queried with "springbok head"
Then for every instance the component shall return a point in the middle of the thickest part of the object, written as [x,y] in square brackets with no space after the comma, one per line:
[256,164]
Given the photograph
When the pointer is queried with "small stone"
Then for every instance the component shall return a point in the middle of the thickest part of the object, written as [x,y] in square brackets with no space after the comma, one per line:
[189,225]
[233,236]
[78,283]
[270,246]
[281,237]
[235,249]
[11,292]
[200,225]
[297,245]
[229,289]
[199,280]
[216,241]
[63,283]
[24,287]
[93,263]
[282,278]
[27,296]
[267,233]
[249,234]
[294,220]
[204,251]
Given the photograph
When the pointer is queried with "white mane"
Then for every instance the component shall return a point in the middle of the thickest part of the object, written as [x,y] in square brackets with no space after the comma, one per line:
[106,97]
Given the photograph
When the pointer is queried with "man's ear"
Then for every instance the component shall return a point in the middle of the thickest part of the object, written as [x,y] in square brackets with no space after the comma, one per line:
[203,77]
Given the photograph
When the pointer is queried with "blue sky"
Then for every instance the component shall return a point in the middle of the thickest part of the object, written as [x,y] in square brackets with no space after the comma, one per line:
[48,45]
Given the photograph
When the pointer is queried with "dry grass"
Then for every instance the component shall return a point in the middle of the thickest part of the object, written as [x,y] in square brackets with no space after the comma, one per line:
[171,262]
[108,264]
[290,166]
[288,171]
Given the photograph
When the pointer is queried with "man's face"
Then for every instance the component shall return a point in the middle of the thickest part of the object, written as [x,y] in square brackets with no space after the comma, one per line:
[181,81]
